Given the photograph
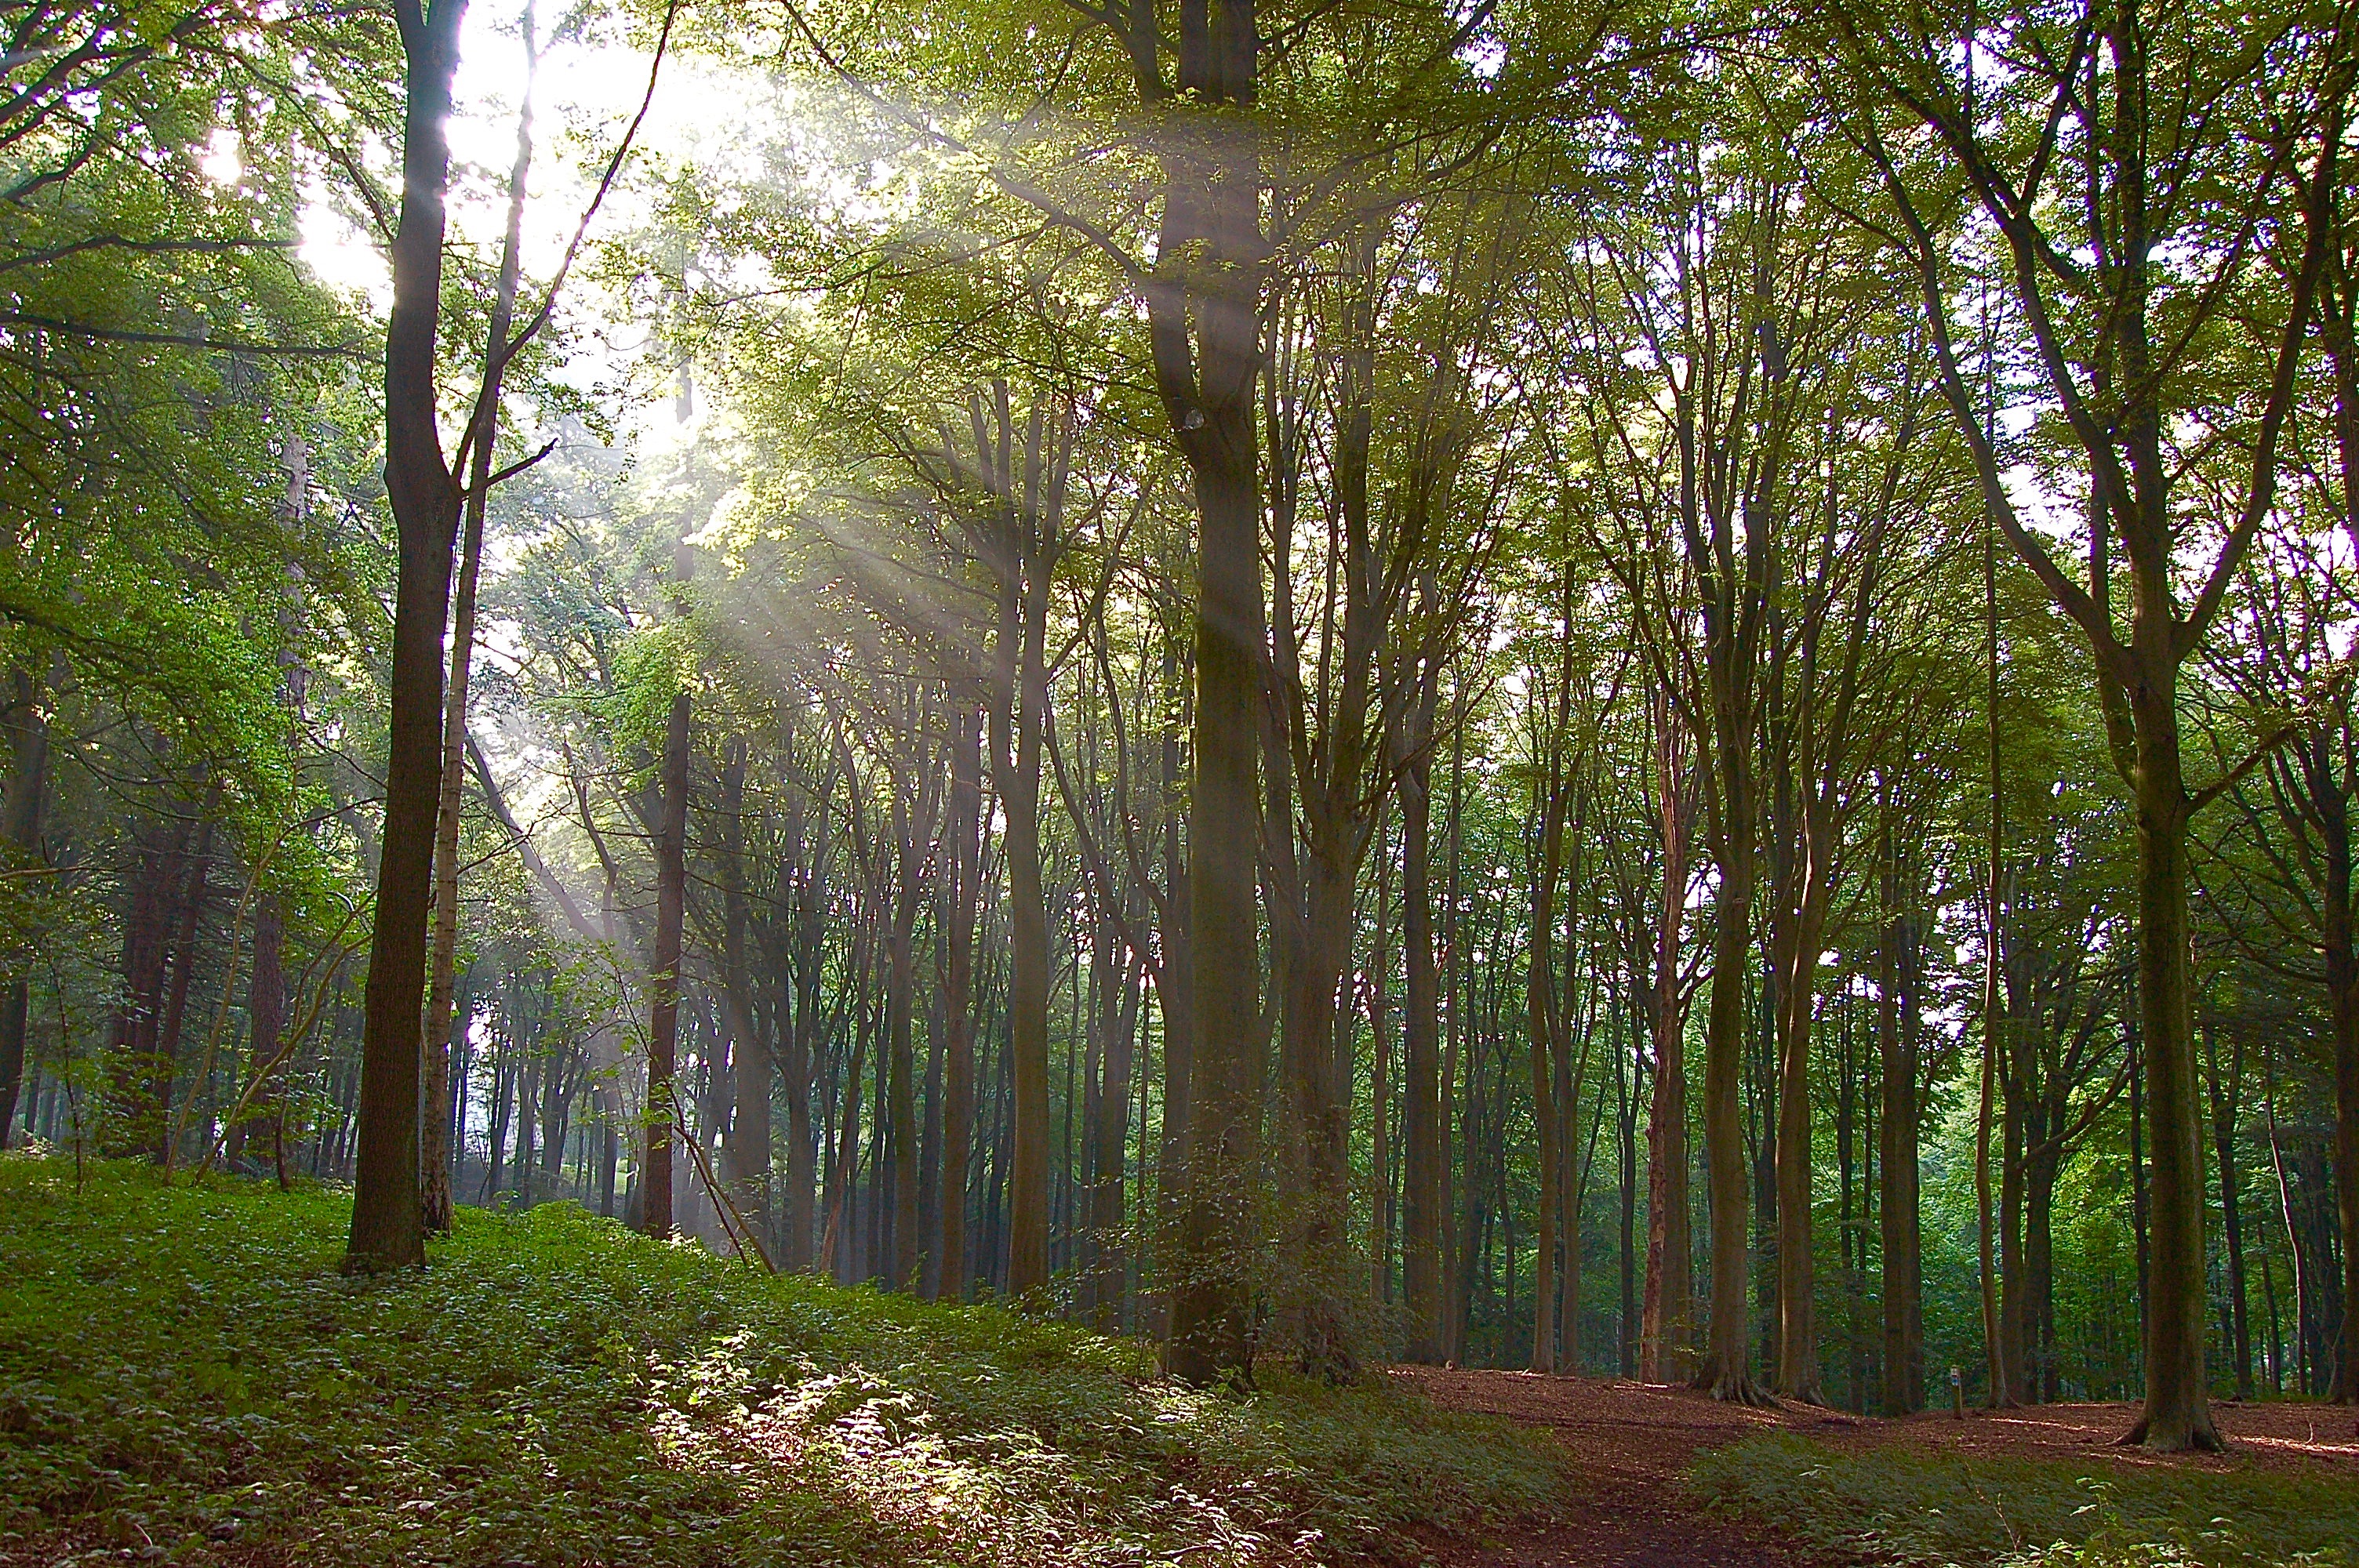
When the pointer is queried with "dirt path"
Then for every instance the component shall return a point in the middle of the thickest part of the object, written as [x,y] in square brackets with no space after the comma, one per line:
[1632,1443]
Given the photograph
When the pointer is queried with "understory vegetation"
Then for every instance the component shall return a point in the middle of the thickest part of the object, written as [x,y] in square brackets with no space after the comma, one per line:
[1939,1510]
[182,1368]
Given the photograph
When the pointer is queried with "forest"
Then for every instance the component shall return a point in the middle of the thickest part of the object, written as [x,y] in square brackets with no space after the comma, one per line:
[1243,695]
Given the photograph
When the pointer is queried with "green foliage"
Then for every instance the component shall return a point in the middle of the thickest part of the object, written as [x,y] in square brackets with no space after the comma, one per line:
[1905,1507]
[182,1365]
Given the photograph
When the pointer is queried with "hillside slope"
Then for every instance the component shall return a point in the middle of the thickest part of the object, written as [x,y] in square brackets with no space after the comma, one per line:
[183,1374]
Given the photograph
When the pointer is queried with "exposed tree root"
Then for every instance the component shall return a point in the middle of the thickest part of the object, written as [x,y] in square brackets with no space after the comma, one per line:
[1737,1388]
[2193,1436]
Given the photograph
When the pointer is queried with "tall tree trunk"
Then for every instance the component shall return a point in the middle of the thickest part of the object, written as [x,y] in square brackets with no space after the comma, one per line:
[965,868]
[185,947]
[27,729]
[2017,1134]
[2225,1094]
[1727,1371]
[2000,1379]
[1813,886]
[909,896]
[1424,1151]
[1175,981]
[2177,1413]
[1025,489]
[1667,1331]
[434,1136]
[748,1150]
[1111,1130]
[1897,1208]
[1380,1074]
[663,977]
[1028,1019]
[147,923]
[1540,1030]
[388,1222]
[1212,195]
[266,1014]
[2343,981]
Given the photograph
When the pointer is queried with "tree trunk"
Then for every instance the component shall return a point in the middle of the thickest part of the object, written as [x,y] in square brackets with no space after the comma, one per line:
[146,919]
[434,1145]
[1540,1032]
[266,1014]
[1211,194]
[1423,1152]
[1898,1202]
[2332,806]
[965,870]
[663,977]
[2224,1099]
[185,947]
[899,995]
[1667,1318]
[1726,1370]
[747,1153]
[2176,1414]
[388,1223]
[27,729]
[1380,1074]
[1110,1129]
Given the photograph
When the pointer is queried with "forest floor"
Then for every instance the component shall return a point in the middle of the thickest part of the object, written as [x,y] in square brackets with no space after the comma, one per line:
[1663,1477]
[185,1378]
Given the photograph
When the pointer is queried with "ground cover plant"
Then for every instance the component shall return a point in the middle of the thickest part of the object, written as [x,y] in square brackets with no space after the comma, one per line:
[1890,1505]
[184,1372]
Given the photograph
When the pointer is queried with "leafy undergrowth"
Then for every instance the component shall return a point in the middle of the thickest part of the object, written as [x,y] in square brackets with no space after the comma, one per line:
[1890,1505]
[184,1376]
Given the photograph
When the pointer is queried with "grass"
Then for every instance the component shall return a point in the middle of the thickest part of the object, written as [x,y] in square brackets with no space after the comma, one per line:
[184,1376]
[1939,1510]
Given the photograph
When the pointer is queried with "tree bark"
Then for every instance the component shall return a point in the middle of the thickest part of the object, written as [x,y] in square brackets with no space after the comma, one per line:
[27,729]
[1898,1202]
[1423,1151]
[901,985]
[1667,1328]
[434,1144]
[1212,201]
[388,1221]
[965,857]
[1541,1033]
[663,977]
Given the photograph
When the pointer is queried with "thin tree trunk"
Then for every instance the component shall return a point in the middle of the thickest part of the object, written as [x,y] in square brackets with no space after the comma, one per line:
[1424,1183]
[663,978]
[965,868]
[2001,1381]
[185,946]
[1666,1323]
[434,1147]
[27,729]
[1540,1034]
[1897,1210]
[748,1161]
[1380,1064]
[902,1063]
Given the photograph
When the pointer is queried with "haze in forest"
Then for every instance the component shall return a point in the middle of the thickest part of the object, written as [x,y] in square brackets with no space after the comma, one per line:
[1636,689]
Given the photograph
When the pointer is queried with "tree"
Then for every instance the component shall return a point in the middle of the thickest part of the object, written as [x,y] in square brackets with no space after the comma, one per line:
[388,1220]
[2080,109]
